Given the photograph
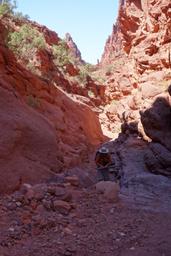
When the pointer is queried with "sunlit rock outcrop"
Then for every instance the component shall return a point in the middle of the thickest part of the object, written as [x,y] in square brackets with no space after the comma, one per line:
[137,62]
[43,130]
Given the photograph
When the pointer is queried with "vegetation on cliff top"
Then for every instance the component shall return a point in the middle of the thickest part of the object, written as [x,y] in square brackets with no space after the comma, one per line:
[25,41]
[32,49]
[8,7]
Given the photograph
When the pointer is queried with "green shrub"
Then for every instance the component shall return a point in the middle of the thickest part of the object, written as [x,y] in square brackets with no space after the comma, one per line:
[5,9]
[31,67]
[83,74]
[39,42]
[61,53]
[8,7]
[26,41]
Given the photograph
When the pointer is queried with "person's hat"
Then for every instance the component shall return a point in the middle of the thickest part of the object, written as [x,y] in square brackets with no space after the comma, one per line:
[104,150]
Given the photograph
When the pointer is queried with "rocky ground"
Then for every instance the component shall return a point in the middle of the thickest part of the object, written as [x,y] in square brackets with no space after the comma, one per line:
[95,227]
[70,217]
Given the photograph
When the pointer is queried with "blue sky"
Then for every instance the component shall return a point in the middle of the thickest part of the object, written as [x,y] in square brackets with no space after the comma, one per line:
[88,21]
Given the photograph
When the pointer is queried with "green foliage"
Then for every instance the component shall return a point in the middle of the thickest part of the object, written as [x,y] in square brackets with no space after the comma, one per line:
[83,74]
[26,41]
[31,67]
[4,9]
[7,7]
[61,53]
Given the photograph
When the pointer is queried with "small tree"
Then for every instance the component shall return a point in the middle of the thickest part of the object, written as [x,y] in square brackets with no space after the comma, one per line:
[26,41]
[61,54]
[7,7]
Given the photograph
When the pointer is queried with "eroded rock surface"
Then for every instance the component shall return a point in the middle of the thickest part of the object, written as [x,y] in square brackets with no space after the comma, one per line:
[43,129]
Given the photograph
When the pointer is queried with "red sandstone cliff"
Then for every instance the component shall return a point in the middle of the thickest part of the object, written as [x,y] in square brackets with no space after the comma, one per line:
[74,49]
[142,31]
[136,63]
[139,44]
[137,54]
[43,130]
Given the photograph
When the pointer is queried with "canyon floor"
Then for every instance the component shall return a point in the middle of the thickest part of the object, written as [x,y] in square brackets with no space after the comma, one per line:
[69,217]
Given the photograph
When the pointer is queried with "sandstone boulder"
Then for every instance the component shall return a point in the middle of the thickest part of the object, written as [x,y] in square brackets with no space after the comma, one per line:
[109,189]
[156,121]
[158,159]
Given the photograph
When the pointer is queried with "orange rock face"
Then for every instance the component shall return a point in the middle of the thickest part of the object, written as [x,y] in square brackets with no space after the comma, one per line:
[43,130]
[142,32]
[74,49]
[138,56]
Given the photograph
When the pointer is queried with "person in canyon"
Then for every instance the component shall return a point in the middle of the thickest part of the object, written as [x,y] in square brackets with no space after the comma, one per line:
[103,160]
